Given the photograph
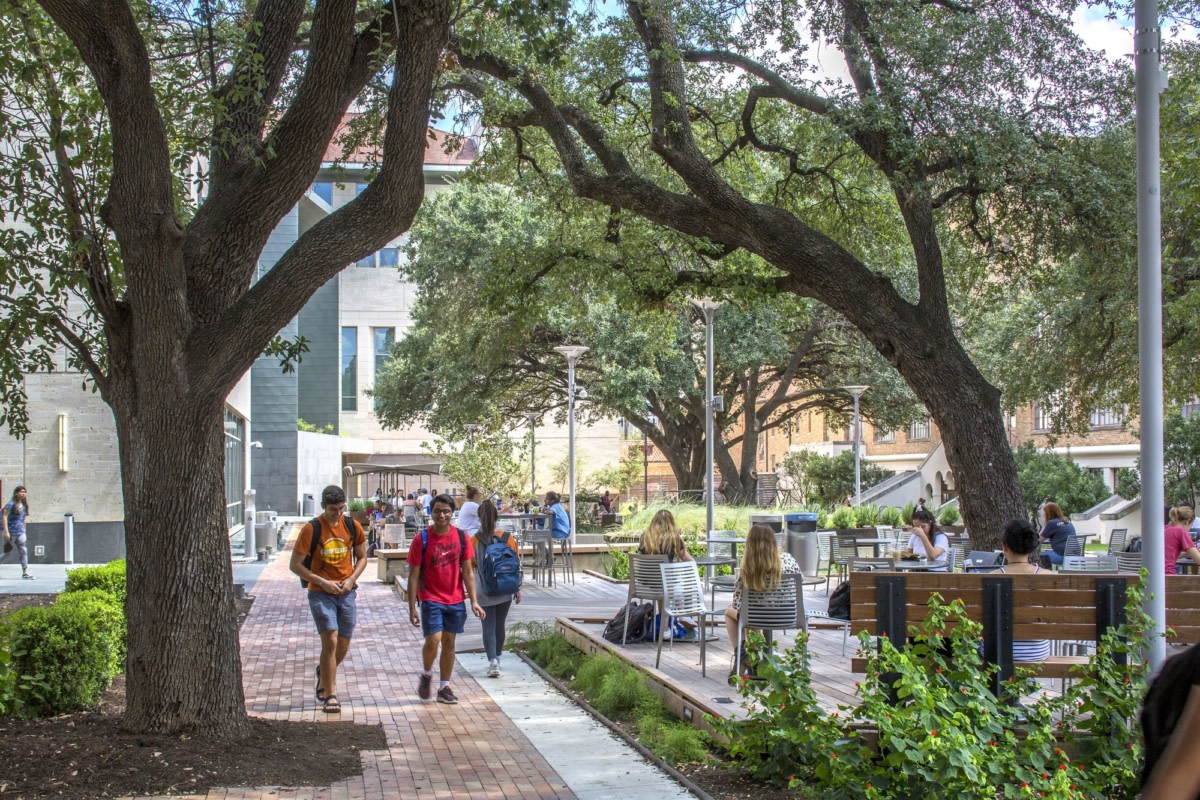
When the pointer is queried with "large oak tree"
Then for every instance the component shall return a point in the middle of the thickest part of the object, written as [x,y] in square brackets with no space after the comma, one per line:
[953,106]
[150,150]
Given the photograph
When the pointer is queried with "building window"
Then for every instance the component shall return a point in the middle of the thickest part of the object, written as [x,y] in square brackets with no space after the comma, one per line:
[1041,417]
[1190,407]
[387,257]
[1105,418]
[235,469]
[384,339]
[349,369]
[884,436]
[324,190]
[919,431]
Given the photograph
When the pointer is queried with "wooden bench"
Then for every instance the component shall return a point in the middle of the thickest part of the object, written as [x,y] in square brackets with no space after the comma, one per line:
[1043,606]
[389,563]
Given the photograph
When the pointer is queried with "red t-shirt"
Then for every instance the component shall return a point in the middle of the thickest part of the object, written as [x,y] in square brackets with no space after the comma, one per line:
[333,559]
[1175,541]
[441,578]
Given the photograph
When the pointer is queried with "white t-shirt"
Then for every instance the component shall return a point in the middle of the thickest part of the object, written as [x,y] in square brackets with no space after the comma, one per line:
[468,517]
[939,540]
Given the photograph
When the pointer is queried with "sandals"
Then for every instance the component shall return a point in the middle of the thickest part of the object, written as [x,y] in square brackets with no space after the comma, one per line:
[331,706]
[319,691]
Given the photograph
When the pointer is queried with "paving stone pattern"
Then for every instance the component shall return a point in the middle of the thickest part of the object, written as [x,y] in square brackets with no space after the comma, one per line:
[434,751]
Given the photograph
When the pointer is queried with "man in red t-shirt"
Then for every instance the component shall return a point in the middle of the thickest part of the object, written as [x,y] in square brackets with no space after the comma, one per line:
[337,563]
[438,578]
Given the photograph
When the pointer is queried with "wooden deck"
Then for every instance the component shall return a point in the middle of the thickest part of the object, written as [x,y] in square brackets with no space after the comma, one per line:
[590,601]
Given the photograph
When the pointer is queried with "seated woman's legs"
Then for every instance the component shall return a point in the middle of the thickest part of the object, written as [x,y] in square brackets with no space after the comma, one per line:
[731,623]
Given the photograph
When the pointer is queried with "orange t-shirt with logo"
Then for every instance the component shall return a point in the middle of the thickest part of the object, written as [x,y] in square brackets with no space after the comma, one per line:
[333,559]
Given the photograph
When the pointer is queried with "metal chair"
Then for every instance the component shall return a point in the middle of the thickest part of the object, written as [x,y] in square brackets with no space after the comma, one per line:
[1074,546]
[953,557]
[845,548]
[1129,563]
[781,608]
[724,583]
[865,564]
[1107,564]
[646,583]
[565,558]
[683,596]
[541,553]
[1116,540]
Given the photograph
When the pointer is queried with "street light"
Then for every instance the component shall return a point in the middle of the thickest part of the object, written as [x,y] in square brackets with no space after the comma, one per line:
[856,392]
[708,306]
[533,418]
[471,428]
[571,352]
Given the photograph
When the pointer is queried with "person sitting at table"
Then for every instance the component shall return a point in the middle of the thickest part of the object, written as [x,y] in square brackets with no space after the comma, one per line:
[560,523]
[1176,540]
[927,539]
[662,537]
[1057,531]
[763,566]
[1019,542]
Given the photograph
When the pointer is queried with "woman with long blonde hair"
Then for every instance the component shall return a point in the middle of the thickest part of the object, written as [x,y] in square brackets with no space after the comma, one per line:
[662,537]
[763,567]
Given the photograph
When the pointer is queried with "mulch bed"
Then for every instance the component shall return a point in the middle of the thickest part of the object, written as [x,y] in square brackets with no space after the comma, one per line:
[86,755]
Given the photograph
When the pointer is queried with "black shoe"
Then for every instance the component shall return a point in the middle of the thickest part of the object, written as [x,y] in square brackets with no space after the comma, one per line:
[445,695]
[425,687]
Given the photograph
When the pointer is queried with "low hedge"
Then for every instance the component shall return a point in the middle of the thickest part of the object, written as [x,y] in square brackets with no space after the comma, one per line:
[60,659]
[110,577]
[109,618]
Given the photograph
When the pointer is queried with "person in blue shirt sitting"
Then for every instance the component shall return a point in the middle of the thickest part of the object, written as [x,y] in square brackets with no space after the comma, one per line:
[1057,531]
[560,523]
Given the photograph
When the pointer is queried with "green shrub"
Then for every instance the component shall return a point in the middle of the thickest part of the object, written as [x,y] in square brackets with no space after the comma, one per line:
[673,741]
[7,676]
[623,692]
[891,516]
[357,505]
[866,515]
[843,518]
[109,618]
[948,515]
[906,513]
[110,578]
[59,660]
[592,673]
[616,564]
[555,655]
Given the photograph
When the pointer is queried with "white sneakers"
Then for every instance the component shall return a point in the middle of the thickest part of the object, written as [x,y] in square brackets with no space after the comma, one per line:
[494,668]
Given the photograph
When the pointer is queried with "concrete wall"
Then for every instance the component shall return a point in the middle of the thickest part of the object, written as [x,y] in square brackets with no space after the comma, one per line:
[319,462]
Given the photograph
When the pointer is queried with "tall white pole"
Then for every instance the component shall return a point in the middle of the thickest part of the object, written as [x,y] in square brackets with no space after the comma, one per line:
[856,392]
[1147,42]
[708,306]
[572,354]
[532,454]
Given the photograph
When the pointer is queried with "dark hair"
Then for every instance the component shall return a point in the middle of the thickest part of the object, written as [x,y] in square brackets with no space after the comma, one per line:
[552,498]
[444,499]
[473,492]
[332,496]
[14,498]
[923,515]
[1164,705]
[1020,537]
[487,521]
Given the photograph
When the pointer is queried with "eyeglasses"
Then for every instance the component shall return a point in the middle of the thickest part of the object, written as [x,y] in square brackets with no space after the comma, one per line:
[441,511]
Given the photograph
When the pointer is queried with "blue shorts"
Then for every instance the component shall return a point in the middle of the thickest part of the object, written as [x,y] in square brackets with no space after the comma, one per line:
[439,617]
[334,612]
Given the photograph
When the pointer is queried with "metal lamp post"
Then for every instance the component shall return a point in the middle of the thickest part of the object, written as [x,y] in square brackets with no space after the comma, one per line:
[571,352]
[856,392]
[471,428]
[532,454]
[708,306]
[646,448]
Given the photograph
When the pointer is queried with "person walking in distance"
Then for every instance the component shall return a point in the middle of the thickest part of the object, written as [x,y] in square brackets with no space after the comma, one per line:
[13,519]
[495,606]
[329,556]
[440,575]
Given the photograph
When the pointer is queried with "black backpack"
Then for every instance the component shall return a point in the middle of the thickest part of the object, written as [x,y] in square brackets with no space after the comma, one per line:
[316,542]
[1134,546]
[839,601]
[641,623]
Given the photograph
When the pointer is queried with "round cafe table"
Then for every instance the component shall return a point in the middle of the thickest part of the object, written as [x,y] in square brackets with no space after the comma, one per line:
[918,566]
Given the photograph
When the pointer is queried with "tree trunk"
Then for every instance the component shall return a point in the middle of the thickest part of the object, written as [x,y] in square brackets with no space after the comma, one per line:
[184,668]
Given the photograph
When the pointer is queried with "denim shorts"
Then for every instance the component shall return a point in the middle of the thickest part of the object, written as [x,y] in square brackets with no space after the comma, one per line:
[334,612]
[439,617]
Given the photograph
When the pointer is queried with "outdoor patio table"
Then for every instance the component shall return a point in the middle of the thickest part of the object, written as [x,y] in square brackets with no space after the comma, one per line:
[876,541]
[709,562]
[1185,566]
[918,566]
[732,541]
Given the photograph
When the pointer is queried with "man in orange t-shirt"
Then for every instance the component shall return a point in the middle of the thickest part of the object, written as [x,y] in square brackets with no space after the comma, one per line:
[337,563]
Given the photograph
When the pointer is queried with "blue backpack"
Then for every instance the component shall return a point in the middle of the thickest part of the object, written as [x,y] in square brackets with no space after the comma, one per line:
[500,568]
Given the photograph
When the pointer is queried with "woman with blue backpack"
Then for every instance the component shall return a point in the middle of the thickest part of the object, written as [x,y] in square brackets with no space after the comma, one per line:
[497,581]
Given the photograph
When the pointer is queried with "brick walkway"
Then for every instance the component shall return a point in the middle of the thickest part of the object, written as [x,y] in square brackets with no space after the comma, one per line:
[434,751]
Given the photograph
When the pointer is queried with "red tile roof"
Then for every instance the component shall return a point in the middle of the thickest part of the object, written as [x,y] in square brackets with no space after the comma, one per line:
[465,151]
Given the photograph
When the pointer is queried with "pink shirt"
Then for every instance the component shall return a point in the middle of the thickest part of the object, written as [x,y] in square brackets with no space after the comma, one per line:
[1175,541]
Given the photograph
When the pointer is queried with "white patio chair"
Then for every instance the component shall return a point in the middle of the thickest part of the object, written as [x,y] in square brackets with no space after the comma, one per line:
[1129,563]
[781,608]
[683,596]
[1116,540]
[1090,564]
[646,583]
